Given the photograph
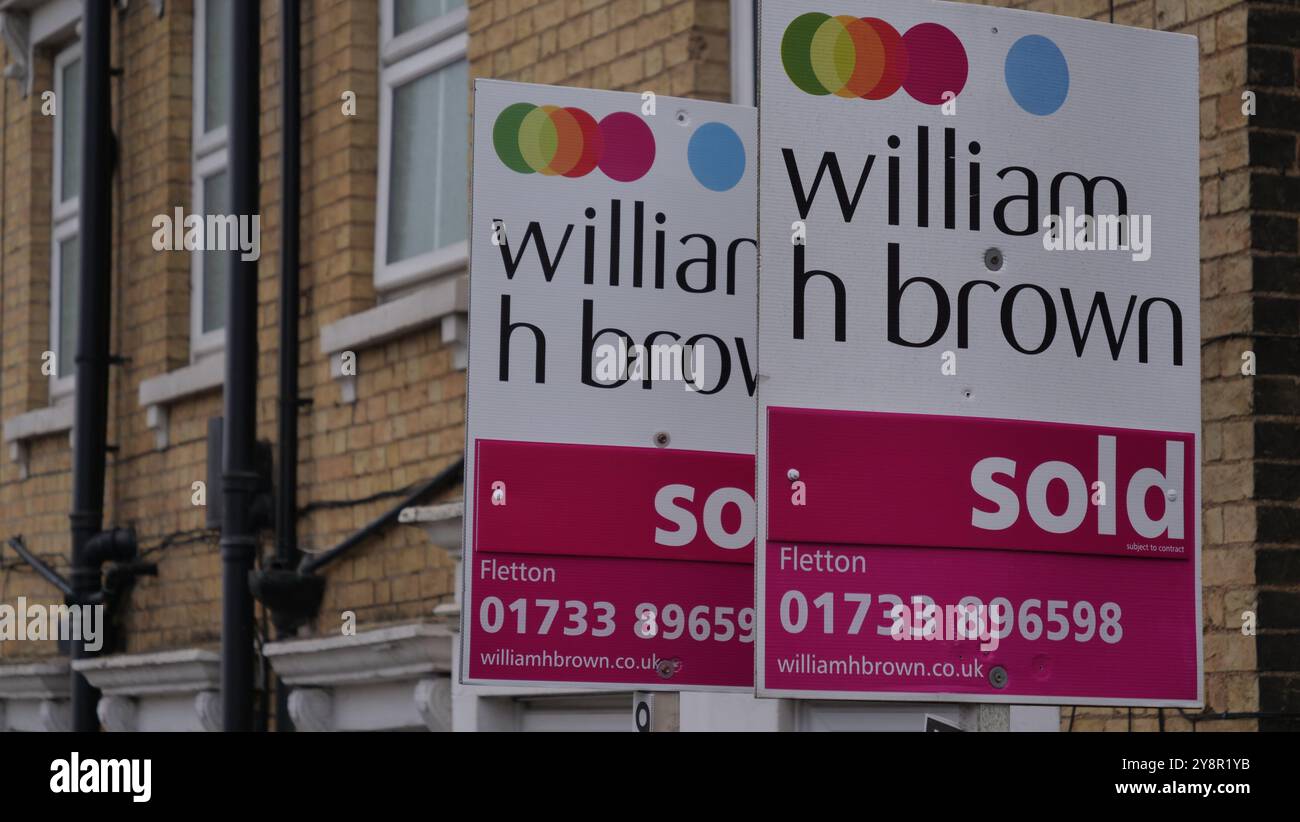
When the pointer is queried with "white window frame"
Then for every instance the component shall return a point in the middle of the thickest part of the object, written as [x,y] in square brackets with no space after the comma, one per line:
[424,49]
[64,224]
[210,155]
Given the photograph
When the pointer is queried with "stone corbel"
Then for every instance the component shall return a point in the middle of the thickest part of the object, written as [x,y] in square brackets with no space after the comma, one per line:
[118,714]
[207,704]
[455,335]
[156,417]
[56,716]
[312,709]
[19,453]
[347,382]
[433,702]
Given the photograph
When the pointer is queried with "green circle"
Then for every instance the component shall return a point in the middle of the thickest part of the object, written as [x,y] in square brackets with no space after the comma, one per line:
[538,139]
[833,55]
[505,136]
[796,52]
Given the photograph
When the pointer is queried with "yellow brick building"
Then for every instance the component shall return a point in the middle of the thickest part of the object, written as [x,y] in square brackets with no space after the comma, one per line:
[381,291]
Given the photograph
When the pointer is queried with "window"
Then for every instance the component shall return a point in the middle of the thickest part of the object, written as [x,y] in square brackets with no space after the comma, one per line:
[210,162]
[65,191]
[424,141]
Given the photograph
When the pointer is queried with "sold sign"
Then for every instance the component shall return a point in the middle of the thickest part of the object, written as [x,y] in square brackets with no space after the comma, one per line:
[980,483]
[637,503]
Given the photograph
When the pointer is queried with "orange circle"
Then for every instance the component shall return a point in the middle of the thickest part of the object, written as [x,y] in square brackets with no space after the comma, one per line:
[894,56]
[568,142]
[870,53]
[591,145]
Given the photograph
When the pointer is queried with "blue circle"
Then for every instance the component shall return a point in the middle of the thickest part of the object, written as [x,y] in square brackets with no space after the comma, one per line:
[716,156]
[1037,75]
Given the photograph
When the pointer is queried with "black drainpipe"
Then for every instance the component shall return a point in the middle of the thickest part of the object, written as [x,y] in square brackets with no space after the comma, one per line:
[444,479]
[286,501]
[238,458]
[90,433]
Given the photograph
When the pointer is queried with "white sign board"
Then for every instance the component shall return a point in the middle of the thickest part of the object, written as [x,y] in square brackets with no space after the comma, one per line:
[979,475]
[609,460]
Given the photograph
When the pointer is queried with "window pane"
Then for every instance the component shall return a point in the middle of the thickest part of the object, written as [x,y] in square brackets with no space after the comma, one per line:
[69,287]
[216,264]
[69,109]
[453,154]
[427,174]
[407,14]
[216,64]
[413,169]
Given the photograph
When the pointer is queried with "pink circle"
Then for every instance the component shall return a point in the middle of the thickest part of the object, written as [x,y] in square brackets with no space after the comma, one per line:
[936,63]
[629,147]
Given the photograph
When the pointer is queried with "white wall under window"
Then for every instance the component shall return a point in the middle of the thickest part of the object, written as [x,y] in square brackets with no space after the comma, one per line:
[210,163]
[423,141]
[65,195]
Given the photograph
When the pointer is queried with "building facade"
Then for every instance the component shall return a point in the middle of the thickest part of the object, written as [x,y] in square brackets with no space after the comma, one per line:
[385,119]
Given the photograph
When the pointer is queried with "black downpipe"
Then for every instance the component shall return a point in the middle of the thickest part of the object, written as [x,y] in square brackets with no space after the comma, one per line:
[238,458]
[46,572]
[90,433]
[286,507]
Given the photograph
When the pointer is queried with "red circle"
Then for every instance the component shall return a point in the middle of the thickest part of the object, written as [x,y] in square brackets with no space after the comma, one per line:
[895,59]
[592,143]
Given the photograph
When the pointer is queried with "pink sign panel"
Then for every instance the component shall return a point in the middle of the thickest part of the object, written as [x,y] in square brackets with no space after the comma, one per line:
[612,565]
[989,558]
[913,479]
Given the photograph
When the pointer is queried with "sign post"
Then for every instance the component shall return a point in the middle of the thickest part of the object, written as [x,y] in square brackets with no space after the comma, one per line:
[979,324]
[656,711]
[609,461]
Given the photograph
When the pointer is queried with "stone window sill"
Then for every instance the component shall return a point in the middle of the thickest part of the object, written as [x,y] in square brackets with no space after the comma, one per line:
[393,678]
[445,301]
[158,393]
[163,691]
[20,430]
[34,696]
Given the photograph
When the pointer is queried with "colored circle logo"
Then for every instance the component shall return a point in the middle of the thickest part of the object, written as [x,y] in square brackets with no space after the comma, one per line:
[568,142]
[867,58]
[1037,75]
[936,63]
[716,156]
[629,147]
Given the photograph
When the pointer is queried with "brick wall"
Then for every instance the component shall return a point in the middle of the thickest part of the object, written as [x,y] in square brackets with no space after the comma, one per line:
[405,426]
[38,507]
[674,47]
[1273,330]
